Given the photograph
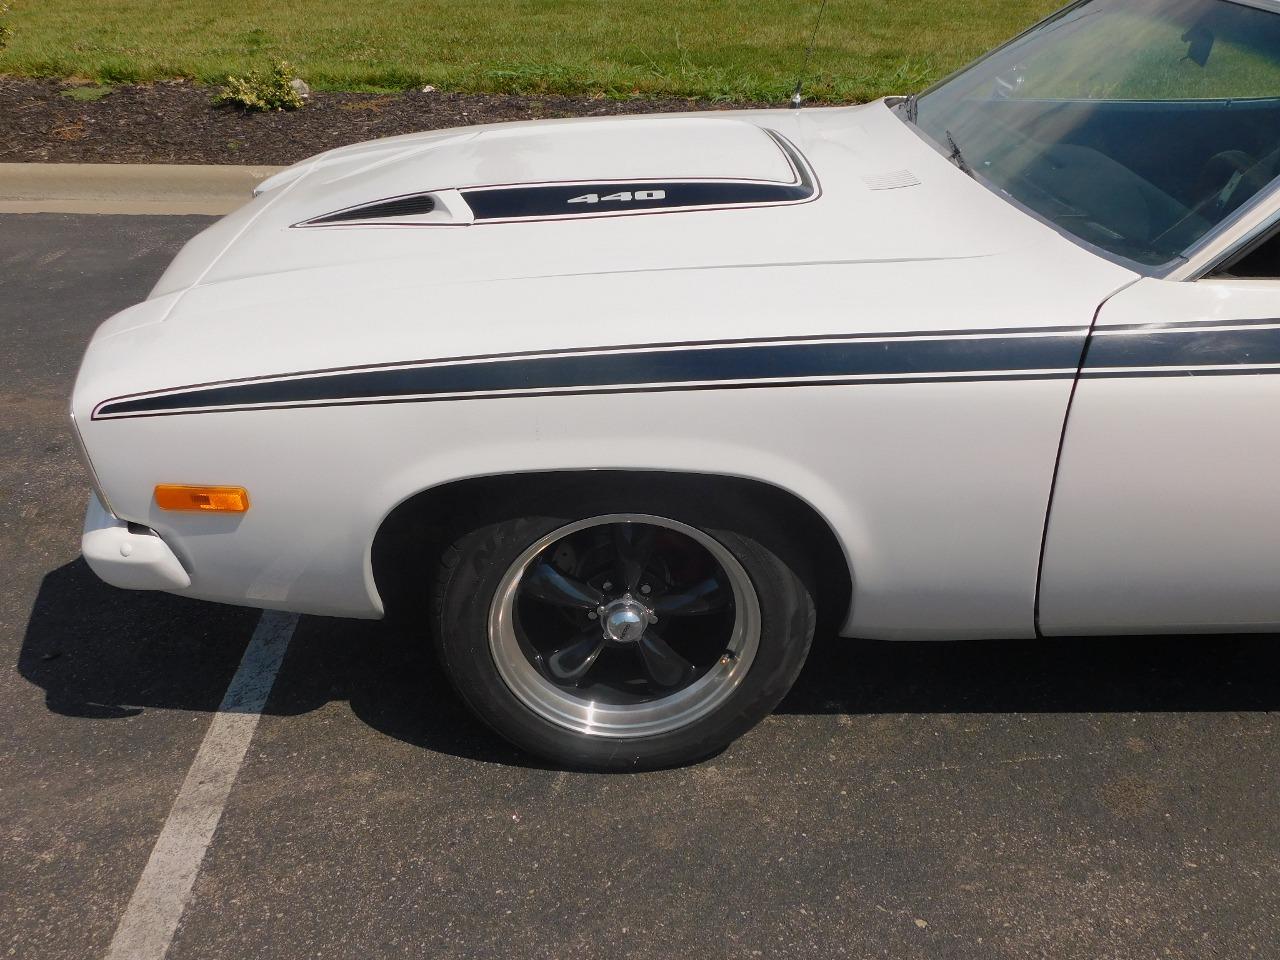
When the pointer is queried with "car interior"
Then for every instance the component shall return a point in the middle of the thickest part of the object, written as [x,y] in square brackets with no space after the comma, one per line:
[1137,127]
[1260,260]
[1143,179]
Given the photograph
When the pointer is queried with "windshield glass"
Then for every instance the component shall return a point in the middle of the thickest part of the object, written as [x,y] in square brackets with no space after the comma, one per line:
[1134,125]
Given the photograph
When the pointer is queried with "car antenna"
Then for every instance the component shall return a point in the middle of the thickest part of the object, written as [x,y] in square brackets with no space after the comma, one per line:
[796,98]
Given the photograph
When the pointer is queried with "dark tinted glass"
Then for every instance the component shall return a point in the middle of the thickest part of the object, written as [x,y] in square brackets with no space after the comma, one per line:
[1136,125]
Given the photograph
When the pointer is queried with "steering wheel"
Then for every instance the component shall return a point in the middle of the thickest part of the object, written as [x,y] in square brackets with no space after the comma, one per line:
[1220,181]
[1226,180]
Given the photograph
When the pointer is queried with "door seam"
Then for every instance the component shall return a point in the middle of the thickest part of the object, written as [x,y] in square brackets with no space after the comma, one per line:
[1062,441]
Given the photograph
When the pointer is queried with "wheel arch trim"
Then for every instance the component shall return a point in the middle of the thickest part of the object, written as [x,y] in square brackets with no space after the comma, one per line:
[815,501]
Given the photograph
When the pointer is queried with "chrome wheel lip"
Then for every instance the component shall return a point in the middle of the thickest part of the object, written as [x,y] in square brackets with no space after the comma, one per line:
[606,720]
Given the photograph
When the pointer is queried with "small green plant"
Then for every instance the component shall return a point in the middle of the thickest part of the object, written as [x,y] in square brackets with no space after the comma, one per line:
[6,31]
[273,89]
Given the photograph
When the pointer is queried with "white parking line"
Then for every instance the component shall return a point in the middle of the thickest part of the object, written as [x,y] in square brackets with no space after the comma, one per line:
[150,920]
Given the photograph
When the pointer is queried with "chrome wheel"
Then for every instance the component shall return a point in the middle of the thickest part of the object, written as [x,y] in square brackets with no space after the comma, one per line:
[625,625]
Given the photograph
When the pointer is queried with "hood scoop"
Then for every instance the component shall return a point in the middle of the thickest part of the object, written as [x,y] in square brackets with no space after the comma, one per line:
[615,192]
[413,207]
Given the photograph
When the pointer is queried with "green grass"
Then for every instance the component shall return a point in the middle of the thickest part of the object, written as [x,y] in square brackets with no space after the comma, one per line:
[86,94]
[1131,56]
[722,49]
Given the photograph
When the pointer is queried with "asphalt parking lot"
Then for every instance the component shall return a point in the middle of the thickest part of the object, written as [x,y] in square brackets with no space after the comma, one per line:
[1099,798]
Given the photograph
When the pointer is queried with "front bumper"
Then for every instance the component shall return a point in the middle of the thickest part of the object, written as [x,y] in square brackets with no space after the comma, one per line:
[133,558]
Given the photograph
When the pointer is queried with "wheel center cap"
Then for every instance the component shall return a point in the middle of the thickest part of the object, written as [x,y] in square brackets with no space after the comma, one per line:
[624,620]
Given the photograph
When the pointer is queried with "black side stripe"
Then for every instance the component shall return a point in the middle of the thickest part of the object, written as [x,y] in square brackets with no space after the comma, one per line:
[1197,347]
[760,364]
[1017,376]
[1244,347]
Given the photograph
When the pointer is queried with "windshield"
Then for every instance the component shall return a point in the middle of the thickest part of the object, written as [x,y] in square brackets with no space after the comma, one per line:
[1135,125]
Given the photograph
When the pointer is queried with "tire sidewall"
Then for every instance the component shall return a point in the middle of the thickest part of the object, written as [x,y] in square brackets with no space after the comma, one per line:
[484,556]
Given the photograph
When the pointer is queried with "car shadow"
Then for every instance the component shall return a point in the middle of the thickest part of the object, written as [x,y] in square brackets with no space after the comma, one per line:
[103,653]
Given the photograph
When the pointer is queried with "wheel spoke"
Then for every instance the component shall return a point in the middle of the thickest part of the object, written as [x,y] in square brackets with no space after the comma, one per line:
[665,667]
[570,663]
[544,582]
[706,597]
[633,543]
[621,625]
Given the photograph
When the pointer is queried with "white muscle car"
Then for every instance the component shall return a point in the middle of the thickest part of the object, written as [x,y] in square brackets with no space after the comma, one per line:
[626,403]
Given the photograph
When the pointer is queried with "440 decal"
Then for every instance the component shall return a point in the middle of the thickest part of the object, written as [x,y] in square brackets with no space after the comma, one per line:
[622,196]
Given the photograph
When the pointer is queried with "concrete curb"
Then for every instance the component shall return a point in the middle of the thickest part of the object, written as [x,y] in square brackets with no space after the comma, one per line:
[130,188]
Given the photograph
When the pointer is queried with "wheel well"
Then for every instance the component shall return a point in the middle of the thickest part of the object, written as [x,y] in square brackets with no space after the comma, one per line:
[413,536]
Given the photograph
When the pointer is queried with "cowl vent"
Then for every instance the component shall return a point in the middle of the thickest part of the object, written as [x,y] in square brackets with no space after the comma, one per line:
[892,180]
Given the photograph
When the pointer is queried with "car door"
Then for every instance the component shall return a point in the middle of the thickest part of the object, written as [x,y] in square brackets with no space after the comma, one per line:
[1165,514]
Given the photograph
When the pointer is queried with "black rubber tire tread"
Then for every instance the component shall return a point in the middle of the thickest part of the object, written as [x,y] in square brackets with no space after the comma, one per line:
[473,565]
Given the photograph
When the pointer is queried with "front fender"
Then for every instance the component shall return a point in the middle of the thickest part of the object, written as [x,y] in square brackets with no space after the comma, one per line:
[684,457]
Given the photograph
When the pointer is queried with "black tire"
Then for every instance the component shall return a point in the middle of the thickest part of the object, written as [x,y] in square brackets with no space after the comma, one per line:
[473,569]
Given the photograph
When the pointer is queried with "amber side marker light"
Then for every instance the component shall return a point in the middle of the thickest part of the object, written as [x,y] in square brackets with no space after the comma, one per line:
[177,496]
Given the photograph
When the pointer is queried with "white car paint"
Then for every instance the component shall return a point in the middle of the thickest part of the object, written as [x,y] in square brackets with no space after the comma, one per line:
[936,488]
[134,560]
[1166,515]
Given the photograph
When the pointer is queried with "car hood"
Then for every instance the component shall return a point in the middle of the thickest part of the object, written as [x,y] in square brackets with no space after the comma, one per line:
[549,197]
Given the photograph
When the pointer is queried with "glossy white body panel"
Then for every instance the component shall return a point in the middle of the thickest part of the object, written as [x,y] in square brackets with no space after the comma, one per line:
[937,491]
[1166,513]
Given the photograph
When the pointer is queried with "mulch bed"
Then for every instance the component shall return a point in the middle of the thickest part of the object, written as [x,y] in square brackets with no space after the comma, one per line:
[175,123]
